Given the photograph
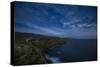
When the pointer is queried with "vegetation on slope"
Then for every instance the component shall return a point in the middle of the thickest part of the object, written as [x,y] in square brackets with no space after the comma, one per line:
[29,48]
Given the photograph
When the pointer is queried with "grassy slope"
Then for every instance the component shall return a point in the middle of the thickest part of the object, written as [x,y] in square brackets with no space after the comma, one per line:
[31,51]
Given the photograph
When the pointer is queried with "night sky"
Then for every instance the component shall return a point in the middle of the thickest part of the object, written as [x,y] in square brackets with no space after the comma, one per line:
[56,20]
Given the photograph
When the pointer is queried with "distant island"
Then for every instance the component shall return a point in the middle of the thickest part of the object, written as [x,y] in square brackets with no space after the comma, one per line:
[29,48]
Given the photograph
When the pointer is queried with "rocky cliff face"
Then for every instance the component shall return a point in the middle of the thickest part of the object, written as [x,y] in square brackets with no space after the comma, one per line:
[29,48]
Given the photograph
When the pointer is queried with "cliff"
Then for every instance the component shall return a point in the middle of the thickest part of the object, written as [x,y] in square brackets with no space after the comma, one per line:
[29,48]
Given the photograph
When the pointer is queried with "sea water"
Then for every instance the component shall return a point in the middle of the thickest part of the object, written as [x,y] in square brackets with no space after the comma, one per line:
[75,50]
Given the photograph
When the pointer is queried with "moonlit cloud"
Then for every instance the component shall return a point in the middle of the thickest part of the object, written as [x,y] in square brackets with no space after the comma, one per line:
[48,30]
[56,20]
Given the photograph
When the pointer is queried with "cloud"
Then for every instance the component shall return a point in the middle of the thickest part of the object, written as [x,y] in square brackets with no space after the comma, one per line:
[44,30]
[73,21]
[86,25]
[68,21]
[48,30]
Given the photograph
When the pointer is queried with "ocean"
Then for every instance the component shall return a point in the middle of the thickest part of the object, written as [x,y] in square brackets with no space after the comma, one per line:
[74,51]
